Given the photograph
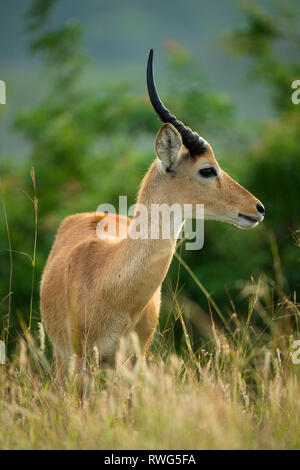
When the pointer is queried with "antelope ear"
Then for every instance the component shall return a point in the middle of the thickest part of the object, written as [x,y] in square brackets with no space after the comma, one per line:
[168,145]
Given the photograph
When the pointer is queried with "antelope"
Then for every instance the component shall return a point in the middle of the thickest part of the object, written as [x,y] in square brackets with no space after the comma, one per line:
[94,290]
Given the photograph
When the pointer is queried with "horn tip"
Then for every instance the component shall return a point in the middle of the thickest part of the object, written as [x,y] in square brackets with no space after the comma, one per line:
[149,65]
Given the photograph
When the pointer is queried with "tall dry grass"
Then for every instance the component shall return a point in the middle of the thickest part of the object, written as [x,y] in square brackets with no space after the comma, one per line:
[240,391]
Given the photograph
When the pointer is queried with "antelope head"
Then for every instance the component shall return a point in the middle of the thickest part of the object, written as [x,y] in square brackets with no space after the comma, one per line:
[193,175]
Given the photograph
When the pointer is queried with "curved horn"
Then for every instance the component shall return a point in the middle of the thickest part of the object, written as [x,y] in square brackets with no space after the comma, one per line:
[193,142]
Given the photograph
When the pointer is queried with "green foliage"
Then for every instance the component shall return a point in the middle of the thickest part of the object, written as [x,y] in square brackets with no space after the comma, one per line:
[89,149]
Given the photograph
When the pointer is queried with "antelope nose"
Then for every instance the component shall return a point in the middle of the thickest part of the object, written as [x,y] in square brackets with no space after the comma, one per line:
[260,208]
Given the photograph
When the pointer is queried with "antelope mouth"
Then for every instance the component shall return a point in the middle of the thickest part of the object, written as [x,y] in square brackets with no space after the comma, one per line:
[248,220]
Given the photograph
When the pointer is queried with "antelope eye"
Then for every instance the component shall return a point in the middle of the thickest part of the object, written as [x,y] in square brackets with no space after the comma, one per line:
[208,172]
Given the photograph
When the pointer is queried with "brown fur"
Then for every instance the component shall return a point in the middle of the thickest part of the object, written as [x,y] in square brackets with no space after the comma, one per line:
[95,291]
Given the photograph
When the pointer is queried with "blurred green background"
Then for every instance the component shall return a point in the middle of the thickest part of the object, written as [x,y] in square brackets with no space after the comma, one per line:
[78,113]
